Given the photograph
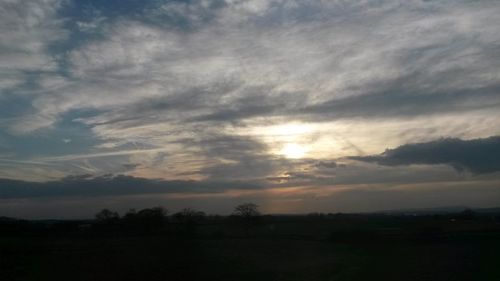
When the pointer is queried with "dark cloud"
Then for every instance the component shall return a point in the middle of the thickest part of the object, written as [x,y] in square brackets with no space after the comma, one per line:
[228,147]
[255,102]
[236,157]
[403,97]
[108,185]
[130,166]
[239,113]
[326,164]
[478,156]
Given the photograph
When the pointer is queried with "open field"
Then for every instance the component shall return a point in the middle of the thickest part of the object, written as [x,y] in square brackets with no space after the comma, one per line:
[275,248]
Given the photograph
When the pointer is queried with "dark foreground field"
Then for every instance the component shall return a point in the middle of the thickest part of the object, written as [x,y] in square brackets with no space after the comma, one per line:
[338,247]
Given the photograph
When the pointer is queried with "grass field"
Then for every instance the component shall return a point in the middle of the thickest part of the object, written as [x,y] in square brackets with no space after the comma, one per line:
[295,248]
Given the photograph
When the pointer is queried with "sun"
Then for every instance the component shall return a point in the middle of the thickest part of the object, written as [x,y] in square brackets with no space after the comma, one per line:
[293,151]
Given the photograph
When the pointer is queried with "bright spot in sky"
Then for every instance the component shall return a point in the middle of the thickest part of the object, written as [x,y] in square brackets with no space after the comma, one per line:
[293,151]
[282,131]
[293,129]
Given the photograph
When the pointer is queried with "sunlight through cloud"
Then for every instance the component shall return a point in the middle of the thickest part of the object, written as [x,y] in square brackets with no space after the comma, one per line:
[294,151]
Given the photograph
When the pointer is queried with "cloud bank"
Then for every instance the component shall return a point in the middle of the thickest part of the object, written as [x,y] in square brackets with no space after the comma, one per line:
[214,90]
[477,155]
[88,186]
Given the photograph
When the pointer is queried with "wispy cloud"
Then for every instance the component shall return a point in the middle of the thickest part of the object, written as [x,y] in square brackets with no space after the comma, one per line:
[199,90]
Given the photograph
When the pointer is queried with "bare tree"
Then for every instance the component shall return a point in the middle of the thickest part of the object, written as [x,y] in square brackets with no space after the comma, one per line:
[146,220]
[189,215]
[106,215]
[188,220]
[106,220]
[246,211]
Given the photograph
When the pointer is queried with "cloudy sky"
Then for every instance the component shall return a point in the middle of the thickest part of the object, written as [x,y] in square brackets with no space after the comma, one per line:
[298,106]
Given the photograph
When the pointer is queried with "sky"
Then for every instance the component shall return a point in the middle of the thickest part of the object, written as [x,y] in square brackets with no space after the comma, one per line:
[299,106]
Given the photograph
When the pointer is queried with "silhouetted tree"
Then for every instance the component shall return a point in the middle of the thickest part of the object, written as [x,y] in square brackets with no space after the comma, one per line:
[247,211]
[106,220]
[248,214]
[146,220]
[156,212]
[189,218]
[189,215]
[106,216]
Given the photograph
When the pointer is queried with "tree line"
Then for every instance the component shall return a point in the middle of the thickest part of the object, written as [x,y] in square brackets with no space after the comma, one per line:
[157,218]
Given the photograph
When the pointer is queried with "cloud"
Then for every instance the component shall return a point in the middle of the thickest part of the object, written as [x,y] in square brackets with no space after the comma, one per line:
[108,185]
[170,86]
[27,29]
[30,30]
[326,164]
[233,157]
[290,56]
[478,156]
[399,100]
[353,198]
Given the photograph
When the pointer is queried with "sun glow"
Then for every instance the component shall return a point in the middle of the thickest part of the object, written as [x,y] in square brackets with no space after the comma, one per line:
[296,140]
[284,131]
[293,151]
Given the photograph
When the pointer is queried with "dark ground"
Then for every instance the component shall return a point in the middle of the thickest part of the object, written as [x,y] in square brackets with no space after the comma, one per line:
[338,247]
